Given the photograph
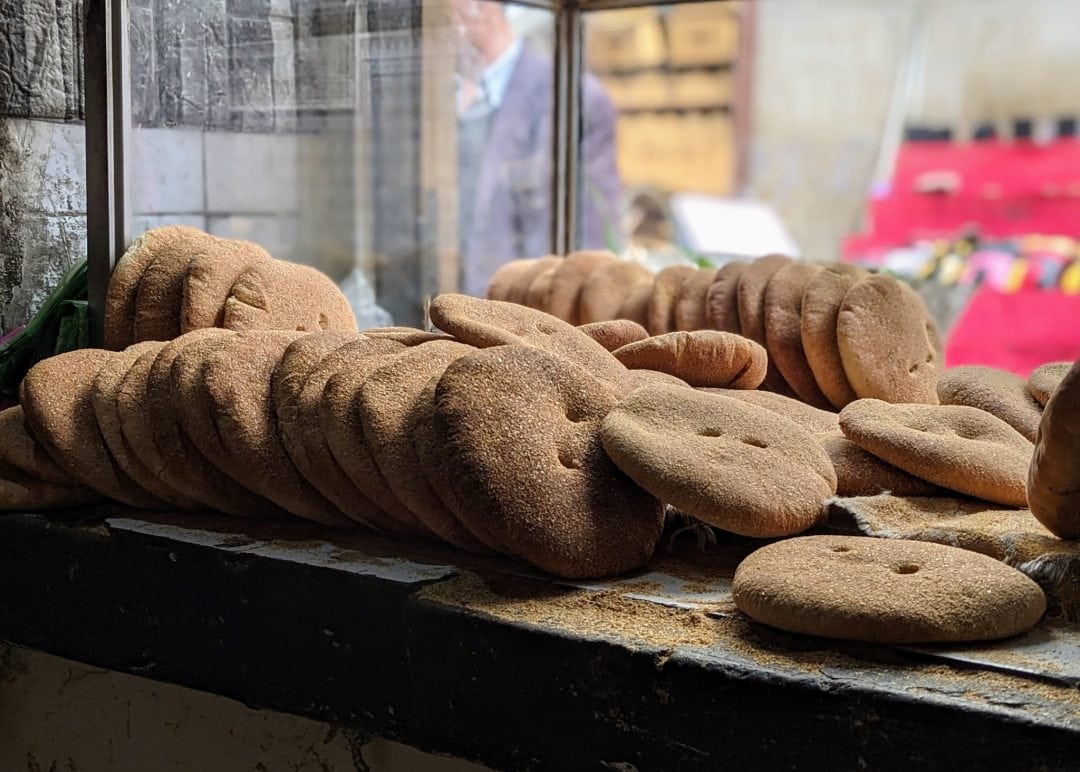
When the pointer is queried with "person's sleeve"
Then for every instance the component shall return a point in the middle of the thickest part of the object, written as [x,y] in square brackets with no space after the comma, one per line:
[600,204]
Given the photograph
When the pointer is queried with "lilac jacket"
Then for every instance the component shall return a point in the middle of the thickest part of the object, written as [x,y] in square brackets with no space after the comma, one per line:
[512,212]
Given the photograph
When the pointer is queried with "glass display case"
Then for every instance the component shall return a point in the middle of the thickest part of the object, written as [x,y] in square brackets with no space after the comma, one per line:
[410,147]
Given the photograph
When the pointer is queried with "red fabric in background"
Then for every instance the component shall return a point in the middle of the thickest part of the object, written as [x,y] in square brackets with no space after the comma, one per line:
[1016,331]
[1037,189]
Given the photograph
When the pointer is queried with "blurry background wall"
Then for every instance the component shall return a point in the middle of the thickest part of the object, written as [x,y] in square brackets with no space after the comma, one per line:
[825,72]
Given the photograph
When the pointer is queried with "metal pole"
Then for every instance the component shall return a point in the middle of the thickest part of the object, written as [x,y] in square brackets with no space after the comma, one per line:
[567,120]
[108,100]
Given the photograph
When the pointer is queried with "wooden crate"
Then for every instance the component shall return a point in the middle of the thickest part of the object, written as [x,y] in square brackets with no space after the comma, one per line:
[677,152]
[702,89]
[625,39]
[643,91]
[702,34]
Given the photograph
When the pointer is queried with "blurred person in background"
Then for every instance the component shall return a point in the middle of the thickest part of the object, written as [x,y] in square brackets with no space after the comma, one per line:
[505,153]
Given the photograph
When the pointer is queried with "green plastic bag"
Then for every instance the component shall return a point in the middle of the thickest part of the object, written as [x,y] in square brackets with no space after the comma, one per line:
[61,324]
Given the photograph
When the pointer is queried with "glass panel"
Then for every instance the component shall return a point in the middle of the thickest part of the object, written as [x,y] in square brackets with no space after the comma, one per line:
[933,140]
[352,137]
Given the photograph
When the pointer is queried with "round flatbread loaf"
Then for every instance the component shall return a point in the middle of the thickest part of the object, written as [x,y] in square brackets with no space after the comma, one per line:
[615,333]
[888,342]
[1054,475]
[277,295]
[885,591]
[783,332]
[237,394]
[210,276]
[814,420]
[635,307]
[20,450]
[406,336]
[957,447]
[485,323]
[859,473]
[750,294]
[339,419]
[430,447]
[552,496]
[722,300]
[567,281]
[607,288]
[753,284]
[106,394]
[822,297]
[1044,380]
[57,400]
[387,405]
[299,383]
[690,306]
[702,358]
[21,492]
[540,288]
[519,290]
[998,392]
[660,311]
[160,297]
[120,299]
[502,281]
[728,463]
[296,427]
[150,407]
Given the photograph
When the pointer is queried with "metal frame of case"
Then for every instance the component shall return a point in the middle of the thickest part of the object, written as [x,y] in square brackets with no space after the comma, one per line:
[108,127]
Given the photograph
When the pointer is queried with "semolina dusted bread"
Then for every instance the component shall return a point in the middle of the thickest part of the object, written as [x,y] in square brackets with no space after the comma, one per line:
[277,295]
[552,496]
[888,342]
[960,448]
[858,588]
[730,464]
[702,358]
[1054,474]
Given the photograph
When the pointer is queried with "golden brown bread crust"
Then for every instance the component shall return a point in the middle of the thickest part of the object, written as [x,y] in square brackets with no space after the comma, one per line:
[616,333]
[783,330]
[20,450]
[607,288]
[998,392]
[888,342]
[1045,379]
[660,311]
[822,298]
[567,281]
[722,300]
[701,358]
[484,323]
[885,591]
[277,295]
[57,399]
[107,408]
[728,463]
[388,405]
[550,495]
[753,284]
[690,308]
[957,447]
[210,275]
[502,281]
[124,283]
[160,296]
[1054,474]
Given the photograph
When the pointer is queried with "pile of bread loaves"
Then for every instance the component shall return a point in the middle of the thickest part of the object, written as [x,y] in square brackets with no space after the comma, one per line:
[834,333]
[238,384]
